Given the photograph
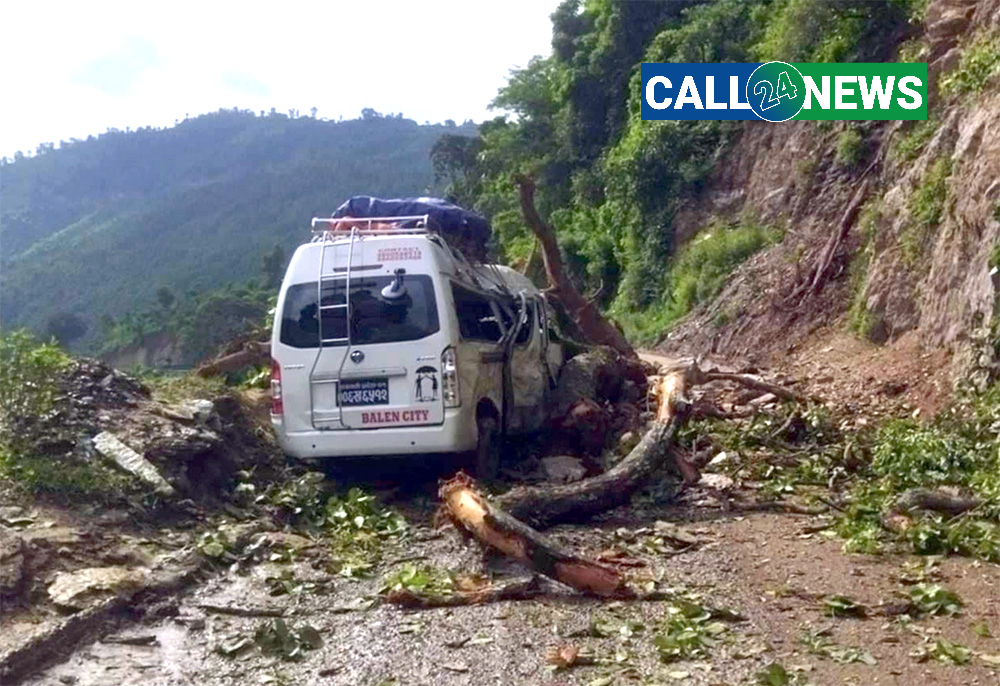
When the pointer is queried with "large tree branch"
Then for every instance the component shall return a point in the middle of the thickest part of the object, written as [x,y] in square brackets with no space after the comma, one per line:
[584,313]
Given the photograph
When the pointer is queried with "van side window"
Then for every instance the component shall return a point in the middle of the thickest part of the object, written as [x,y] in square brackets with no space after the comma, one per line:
[477,320]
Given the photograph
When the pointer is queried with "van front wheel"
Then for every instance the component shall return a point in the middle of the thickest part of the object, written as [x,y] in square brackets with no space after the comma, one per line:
[487,448]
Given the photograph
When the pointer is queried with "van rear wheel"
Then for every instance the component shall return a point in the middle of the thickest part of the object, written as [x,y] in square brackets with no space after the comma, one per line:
[487,448]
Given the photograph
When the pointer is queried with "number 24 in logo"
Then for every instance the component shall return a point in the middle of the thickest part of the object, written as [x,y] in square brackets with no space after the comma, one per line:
[771,96]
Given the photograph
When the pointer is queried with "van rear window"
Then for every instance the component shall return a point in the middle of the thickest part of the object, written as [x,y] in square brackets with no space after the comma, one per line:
[374,319]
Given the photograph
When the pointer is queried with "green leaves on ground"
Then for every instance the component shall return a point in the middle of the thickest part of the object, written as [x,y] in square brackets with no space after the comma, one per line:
[275,638]
[421,580]
[818,642]
[933,599]
[354,525]
[687,632]
[775,674]
[960,450]
[843,606]
[943,651]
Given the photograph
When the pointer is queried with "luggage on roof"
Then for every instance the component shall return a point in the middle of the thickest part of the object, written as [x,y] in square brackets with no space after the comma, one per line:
[465,230]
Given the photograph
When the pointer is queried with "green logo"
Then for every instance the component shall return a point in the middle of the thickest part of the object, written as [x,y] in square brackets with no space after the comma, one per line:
[776,91]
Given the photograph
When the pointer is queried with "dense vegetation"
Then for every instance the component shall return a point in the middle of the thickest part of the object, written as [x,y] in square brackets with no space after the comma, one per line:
[612,183]
[96,228]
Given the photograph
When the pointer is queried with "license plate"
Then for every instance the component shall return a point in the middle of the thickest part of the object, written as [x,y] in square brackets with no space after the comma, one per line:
[363,392]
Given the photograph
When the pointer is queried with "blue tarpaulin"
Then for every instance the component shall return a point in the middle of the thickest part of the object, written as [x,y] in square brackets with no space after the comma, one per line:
[467,231]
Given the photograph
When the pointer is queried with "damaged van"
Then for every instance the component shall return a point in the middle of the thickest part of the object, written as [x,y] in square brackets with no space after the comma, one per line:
[389,341]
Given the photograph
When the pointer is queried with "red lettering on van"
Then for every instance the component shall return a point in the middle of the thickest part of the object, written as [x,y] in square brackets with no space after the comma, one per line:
[397,254]
[395,417]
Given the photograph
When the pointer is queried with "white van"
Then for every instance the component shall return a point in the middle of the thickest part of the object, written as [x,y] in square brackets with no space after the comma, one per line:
[440,356]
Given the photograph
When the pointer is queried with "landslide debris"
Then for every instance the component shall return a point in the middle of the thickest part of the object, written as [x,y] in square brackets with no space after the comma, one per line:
[101,416]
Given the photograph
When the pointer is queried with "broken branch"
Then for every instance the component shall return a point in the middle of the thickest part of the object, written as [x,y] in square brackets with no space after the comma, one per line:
[515,590]
[468,509]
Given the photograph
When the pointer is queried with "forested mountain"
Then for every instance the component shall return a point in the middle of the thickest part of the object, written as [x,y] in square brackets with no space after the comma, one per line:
[98,227]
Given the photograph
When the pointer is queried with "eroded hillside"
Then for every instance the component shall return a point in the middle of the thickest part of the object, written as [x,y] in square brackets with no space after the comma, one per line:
[920,248]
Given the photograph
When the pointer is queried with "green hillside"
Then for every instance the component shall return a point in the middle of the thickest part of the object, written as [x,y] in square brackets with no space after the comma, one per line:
[97,227]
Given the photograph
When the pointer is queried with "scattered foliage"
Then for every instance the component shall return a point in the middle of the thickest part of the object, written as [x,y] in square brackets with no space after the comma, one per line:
[818,642]
[933,599]
[775,674]
[354,525]
[275,638]
[687,632]
[420,579]
[959,449]
[843,606]
[943,651]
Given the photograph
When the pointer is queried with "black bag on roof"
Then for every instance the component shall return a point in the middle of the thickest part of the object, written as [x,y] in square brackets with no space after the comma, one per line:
[465,230]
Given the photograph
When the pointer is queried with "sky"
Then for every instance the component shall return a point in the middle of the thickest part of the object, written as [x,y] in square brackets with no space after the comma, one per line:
[72,69]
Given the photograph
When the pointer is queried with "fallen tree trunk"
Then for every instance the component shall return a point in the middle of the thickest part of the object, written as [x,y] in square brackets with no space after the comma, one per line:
[584,313]
[543,506]
[498,524]
[936,501]
[255,354]
[467,508]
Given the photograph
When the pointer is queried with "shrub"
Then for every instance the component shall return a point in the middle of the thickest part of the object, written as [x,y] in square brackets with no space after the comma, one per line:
[979,63]
[926,209]
[28,370]
[910,144]
[698,272]
[860,319]
[850,148]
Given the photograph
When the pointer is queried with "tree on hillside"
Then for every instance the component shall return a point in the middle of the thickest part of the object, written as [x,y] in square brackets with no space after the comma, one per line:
[273,266]
[165,297]
[65,327]
[454,160]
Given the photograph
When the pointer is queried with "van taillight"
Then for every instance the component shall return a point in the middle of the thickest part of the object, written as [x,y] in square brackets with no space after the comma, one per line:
[277,406]
[449,378]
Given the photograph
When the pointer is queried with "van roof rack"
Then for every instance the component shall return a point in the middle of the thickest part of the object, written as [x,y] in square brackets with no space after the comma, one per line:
[368,226]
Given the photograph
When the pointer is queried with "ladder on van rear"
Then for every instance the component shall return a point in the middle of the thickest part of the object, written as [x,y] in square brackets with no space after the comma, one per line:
[323,279]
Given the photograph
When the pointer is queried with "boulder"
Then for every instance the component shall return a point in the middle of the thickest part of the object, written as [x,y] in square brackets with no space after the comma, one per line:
[12,554]
[109,445]
[563,468]
[86,587]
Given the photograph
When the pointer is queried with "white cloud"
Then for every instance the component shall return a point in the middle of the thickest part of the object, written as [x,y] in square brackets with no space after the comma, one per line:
[117,72]
[74,69]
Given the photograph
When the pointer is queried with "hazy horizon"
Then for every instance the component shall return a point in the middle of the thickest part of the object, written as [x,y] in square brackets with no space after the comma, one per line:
[81,70]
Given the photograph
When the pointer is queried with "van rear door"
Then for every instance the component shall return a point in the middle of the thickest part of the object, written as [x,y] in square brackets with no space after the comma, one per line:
[390,374]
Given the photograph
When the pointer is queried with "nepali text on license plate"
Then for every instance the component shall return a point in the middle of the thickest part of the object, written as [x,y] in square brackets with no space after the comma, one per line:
[364,392]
